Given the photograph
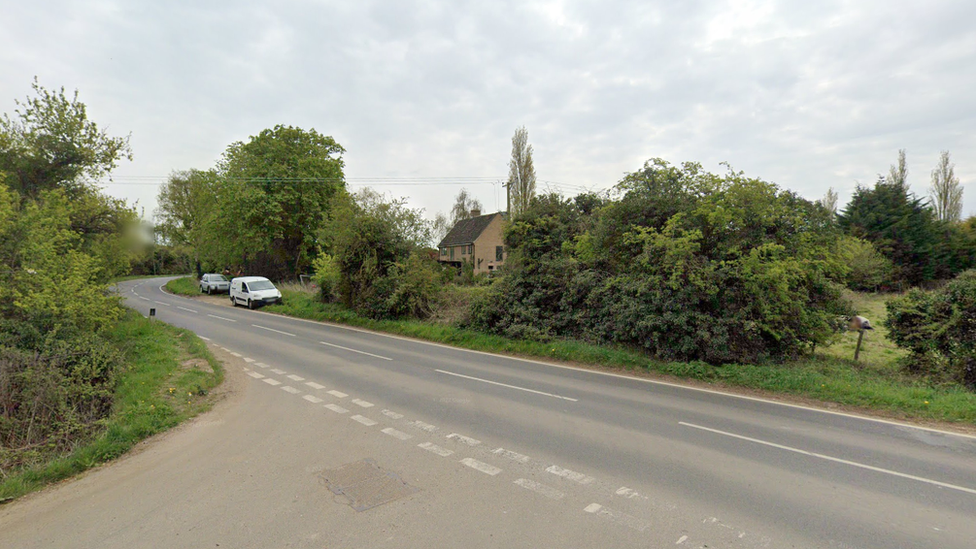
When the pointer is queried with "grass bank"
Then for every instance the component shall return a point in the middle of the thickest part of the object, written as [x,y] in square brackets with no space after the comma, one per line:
[168,379]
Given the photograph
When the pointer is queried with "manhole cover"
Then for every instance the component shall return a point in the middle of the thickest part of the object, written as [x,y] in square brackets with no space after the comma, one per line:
[364,484]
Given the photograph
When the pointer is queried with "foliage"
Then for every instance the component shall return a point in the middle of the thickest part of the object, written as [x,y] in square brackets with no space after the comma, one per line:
[167,377]
[899,225]
[50,143]
[521,174]
[939,328]
[464,204]
[373,259]
[868,270]
[946,193]
[684,264]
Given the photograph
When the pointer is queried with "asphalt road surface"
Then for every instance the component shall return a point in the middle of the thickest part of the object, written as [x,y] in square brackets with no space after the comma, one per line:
[338,437]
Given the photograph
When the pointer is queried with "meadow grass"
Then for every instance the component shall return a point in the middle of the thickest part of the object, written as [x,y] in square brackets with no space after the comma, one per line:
[168,377]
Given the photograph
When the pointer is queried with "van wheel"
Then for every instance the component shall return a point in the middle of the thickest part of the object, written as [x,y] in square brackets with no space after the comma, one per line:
[251,305]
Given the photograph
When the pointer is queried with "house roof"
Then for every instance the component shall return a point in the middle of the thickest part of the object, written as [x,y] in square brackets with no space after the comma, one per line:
[467,231]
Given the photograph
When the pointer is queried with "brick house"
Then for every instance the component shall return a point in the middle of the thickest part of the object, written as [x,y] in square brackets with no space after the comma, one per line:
[476,240]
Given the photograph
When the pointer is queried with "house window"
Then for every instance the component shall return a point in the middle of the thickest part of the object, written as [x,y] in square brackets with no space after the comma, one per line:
[443,251]
[464,250]
[470,249]
[499,253]
[452,253]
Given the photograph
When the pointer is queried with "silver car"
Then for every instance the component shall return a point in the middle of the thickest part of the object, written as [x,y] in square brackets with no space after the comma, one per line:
[212,283]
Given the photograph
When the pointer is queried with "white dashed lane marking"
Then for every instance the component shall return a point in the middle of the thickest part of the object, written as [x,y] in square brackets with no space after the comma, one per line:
[481,466]
[291,390]
[514,456]
[273,330]
[569,475]
[144,298]
[222,318]
[238,355]
[270,381]
[364,420]
[314,385]
[248,360]
[362,403]
[312,399]
[430,447]
[539,488]
[463,439]
[338,394]
[629,493]
[255,375]
[293,377]
[506,385]
[391,414]
[616,517]
[187,310]
[396,434]
[427,427]
[337,409]
[261,364]
[354,350]
[204,338]
[278,371]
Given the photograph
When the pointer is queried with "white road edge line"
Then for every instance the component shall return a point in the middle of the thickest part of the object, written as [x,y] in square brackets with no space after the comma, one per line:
[185,309]
[204,338]
[834,459]
[506,385]
[222,318]
[273,330]
[354,350]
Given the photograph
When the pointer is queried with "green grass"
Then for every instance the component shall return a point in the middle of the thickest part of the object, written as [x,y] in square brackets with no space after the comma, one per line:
[170,373]
[184,286]
[875,383]
[877,351]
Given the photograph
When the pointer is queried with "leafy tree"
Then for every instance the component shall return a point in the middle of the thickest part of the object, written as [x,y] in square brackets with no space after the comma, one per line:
[685,264]
[464,204]
[829,202]
[946,192]
[899,225]
[185,214]
[275,192]
[898,174]
[521,174]
[50,143]
[367,261]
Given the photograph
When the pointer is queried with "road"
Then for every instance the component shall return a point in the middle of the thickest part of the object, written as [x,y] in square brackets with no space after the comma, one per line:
[340,437]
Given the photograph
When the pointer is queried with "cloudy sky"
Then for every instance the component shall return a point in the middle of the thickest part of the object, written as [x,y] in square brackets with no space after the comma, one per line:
[425,95]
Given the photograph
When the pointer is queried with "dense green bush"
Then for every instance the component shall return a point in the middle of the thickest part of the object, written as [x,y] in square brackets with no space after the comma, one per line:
[685,264]
[939,328]
[869,270]
[373,260]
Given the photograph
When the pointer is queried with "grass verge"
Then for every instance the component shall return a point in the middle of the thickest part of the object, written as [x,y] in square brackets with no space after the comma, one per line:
[183,286]
[169,376]
[876,383]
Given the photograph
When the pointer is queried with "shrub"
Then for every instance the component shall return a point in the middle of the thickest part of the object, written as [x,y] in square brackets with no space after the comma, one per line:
[939,328]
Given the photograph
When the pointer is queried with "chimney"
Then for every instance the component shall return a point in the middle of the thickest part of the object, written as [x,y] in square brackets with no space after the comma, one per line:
[475,213]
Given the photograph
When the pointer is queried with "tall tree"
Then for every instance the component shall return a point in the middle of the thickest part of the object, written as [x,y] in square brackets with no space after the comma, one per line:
[898,174]
[187,204]
[898,224]
[946,192]
[276,191]
[464,204]
[50,143]
[521,174]
[829,201]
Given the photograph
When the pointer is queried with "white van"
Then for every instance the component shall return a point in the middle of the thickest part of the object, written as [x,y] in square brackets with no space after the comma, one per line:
[253,291]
